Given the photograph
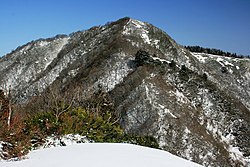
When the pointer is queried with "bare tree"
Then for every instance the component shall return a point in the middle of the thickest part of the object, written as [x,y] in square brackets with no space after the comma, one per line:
[10,107]
[57,101]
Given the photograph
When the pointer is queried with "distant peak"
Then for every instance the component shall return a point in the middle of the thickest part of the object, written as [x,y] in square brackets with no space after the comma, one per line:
[129,20]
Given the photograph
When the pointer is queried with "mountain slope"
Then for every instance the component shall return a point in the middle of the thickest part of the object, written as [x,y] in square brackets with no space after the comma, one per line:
[196,105]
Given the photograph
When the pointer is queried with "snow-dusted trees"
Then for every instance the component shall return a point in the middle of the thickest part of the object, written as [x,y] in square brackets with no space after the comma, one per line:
[213,51]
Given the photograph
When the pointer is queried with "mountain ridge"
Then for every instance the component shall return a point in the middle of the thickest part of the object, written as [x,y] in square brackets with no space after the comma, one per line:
[195,104]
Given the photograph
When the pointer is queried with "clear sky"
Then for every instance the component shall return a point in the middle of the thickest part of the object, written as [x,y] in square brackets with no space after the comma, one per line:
[221,24]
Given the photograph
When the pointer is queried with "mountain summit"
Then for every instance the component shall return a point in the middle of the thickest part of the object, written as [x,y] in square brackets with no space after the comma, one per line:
[195,104]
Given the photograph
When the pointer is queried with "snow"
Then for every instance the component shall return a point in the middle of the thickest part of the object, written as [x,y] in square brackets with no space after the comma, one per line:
[50,56]
[236,154]
[220,61]
[1,147]
[165,111]
[43,43]
[115,76]
[179,96]
[73,72]
[200,57]
[227,63]
[144,36]
[27,74]
[24,49]
[223,62]
[206,102]
[153,98]
[140,28]
[100,154]
[214,127]
[156,43]
[161,60]
[188,150]
[137,23]
[66,140]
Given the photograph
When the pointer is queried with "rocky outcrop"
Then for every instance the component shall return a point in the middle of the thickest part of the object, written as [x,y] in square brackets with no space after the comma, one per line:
[196,105]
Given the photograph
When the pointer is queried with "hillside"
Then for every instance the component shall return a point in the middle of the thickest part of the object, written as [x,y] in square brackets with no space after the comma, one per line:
[196,105]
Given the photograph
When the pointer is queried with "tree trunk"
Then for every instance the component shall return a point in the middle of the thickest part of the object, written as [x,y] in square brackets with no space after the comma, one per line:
[9,116]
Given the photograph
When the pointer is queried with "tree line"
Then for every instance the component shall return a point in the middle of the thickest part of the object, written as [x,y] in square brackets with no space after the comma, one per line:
[213,51]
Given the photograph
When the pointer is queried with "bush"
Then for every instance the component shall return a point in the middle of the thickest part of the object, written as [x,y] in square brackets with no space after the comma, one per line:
[98,123]
[16,142]
[147,141]
[97,128]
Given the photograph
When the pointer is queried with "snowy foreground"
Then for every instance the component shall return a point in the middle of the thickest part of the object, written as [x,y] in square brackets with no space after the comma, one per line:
[100,155]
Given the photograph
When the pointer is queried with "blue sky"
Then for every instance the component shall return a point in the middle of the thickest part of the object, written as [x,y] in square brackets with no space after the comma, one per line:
[222,24]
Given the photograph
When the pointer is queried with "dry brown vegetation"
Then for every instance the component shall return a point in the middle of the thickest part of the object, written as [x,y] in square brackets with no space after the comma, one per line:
[57,114]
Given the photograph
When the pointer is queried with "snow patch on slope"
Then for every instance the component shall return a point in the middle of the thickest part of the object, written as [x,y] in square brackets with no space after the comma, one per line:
[152,95]
[201,57]
[116,75]
[138,27]
[28,71]
[144,33]
[43,43]
[180,97]
[223,62]
[162,113]
[189,147]
[236,154]
[161,60]
[50,56]
[214,126]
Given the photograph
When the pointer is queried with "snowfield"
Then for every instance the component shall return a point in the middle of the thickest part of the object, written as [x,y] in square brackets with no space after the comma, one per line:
[100,155]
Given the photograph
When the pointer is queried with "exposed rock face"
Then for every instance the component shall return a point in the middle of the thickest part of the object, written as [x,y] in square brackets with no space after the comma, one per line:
[196,105]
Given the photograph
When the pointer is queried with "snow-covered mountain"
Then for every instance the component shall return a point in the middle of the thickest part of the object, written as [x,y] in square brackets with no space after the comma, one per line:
[100,154]
[196,105]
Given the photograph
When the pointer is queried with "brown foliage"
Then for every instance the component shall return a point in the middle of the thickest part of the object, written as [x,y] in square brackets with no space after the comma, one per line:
[16,141]
[12,134]
[4,108]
